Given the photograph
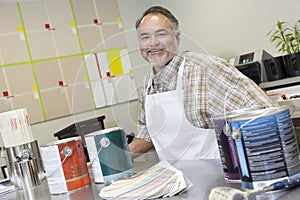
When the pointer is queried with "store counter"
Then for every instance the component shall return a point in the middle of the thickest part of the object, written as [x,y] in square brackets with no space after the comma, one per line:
[204,174]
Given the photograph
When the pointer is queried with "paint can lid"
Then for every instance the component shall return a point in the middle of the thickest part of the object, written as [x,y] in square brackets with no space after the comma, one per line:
[62,141]
[258,113]
[238,112]
[104,131]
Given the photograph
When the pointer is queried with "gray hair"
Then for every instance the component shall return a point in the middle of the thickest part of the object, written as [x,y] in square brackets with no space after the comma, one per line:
[161,10]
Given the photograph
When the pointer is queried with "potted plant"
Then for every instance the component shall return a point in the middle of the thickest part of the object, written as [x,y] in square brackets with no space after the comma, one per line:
[287,40]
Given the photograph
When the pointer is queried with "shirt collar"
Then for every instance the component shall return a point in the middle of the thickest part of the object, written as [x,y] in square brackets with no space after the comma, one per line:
[165,75]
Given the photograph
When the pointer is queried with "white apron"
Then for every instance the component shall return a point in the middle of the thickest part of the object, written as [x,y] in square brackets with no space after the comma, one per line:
[172,135]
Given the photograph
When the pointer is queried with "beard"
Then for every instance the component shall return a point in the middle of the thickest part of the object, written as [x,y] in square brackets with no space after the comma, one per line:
[158,57]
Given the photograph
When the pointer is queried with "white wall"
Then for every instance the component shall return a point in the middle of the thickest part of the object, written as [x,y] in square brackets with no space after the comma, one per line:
[223,28]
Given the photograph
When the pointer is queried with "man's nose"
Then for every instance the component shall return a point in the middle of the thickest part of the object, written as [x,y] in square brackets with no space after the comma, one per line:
[154,40]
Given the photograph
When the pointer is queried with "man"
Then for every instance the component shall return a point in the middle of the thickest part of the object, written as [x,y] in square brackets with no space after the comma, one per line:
[184,92]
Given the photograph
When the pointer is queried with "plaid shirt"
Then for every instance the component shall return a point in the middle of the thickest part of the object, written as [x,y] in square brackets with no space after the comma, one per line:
[210,85]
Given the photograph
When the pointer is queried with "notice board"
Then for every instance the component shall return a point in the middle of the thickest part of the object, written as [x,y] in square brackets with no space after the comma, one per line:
[60,57]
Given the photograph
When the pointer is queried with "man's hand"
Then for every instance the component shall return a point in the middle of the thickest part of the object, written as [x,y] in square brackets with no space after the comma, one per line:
[139,146]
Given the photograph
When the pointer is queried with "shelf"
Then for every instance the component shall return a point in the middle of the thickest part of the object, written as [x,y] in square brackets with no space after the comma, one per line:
[280,83]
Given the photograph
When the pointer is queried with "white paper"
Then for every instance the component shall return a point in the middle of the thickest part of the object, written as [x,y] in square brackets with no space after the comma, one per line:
[53,166]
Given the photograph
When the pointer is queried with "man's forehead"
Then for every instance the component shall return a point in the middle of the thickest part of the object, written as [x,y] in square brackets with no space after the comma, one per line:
[152,29]
[155,20]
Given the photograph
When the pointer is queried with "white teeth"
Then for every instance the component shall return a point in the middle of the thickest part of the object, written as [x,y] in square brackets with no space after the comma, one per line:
[154,51]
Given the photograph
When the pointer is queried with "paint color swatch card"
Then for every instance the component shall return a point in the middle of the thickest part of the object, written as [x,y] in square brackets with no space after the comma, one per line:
[161,180]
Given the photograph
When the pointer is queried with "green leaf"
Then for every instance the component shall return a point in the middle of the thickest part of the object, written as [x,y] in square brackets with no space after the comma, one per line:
[285,36]
[278,44]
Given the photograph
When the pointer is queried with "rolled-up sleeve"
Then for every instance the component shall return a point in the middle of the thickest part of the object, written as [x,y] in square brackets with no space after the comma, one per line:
[141,122]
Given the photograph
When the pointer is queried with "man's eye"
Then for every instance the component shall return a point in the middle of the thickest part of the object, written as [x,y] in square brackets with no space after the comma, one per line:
[161,35]
[145,38]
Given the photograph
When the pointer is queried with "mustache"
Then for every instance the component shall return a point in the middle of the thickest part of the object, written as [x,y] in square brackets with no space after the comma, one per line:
[151,49]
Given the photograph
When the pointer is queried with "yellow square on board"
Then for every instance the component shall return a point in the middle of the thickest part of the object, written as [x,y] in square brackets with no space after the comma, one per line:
[20,28]
[115,62]
[34,88]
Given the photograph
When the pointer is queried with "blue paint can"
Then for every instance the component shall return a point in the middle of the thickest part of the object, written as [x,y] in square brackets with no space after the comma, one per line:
[226,145]
[266,146]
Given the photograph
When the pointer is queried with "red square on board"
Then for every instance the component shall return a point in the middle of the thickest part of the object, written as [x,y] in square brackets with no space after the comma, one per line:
[95,21]
[108,74]
[60,83]
[5,93]
[47,26]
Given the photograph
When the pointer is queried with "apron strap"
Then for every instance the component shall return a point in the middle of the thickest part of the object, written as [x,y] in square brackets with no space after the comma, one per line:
[179,78]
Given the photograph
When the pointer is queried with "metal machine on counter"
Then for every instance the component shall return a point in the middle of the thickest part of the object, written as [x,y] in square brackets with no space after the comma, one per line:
[251,64]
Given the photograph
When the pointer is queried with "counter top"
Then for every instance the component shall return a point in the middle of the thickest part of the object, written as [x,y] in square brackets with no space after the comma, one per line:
[204,174]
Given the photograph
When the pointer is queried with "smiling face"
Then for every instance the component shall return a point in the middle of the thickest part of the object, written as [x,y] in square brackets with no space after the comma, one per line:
[158,39]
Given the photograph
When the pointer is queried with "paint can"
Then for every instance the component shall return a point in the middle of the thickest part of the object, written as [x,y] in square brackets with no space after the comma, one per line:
[226,146]
[266,146]
[65,165]
[25,166]
[109,155]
